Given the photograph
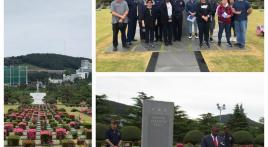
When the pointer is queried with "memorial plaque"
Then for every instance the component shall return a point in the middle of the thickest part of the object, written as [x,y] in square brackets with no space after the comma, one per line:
[157,124]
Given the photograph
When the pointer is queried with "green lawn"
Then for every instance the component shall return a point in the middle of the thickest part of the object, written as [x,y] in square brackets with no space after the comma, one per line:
[84,117]
[218,60]
[127,61]
[7,107]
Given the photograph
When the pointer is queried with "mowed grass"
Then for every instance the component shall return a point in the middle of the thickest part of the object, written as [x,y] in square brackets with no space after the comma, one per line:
[250,60]
[84,117]
[7,107]
[118,61]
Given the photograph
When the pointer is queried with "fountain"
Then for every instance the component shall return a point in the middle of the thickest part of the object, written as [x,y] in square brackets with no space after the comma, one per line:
[38,96]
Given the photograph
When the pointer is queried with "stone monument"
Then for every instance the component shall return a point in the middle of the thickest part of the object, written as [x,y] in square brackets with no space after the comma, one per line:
[157,124]
[38,96]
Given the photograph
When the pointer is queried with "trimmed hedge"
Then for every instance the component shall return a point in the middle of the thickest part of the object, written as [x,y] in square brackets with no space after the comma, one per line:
[131,133]
[243,138]
[13,140]
[100,131]
[259,140]
[193,137]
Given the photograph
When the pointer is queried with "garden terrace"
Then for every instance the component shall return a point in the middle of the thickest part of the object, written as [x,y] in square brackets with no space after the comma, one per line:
[46,125]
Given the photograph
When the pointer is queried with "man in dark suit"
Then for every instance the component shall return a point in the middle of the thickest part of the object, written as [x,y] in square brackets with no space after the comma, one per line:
[159,26]
[166,20]
[213,139]
[132,20]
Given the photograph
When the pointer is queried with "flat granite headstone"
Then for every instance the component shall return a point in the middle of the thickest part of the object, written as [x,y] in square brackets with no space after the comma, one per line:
[157,124]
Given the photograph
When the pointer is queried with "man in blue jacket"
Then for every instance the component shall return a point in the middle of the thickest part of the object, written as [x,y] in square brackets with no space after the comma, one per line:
[132,20]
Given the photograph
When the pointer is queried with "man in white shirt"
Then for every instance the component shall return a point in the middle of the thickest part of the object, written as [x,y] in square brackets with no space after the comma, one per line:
[166,20]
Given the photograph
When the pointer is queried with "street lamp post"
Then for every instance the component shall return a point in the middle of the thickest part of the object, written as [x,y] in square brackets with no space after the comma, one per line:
[220,108]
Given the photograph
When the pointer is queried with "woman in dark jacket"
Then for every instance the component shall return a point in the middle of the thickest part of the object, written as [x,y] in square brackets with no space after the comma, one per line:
[149,21]
[203,13]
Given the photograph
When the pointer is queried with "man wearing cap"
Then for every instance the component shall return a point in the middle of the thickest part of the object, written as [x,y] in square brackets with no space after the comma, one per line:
[228,138]
[113,136]
[119,9]
[213,139]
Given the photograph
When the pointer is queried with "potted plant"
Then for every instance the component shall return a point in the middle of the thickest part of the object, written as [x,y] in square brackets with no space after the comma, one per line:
[28,143]
[13,140]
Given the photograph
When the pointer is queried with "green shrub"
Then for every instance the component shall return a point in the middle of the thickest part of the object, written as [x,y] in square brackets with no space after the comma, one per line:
[61,110]
[13,140]
[193,137]
[243,137]
[131,133]
[54,124]
[32,126]
[67,143]
[67,127]
[88,133]
[87,125]
[74,110]
[100,131]
[259,140]
[74,134]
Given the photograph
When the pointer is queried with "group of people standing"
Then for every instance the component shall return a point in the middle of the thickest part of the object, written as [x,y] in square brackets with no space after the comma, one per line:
[162,20]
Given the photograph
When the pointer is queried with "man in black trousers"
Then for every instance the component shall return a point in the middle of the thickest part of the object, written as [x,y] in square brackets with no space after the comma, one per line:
[166,20]
[178,7]
[141,9]
[158,26]
[132,20]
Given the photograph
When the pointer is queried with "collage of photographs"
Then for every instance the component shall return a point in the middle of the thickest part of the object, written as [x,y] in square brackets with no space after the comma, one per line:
[133,73]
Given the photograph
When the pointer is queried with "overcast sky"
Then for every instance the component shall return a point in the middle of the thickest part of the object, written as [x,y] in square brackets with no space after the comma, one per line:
[48,26]
[195,94]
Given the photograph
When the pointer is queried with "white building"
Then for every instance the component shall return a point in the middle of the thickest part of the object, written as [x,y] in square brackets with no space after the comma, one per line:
[55,81]
[81,73]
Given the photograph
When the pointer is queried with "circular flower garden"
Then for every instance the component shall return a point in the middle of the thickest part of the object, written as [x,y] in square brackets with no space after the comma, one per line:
[45,125]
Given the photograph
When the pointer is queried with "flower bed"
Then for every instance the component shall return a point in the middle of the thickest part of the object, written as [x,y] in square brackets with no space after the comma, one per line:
[31,134]
[60,133]
[46,137]
[18,131]
[9,127]
[22,125]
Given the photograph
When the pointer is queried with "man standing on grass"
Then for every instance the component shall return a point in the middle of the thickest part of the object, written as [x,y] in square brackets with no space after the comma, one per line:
[119,10]
[113,136]
[241,10]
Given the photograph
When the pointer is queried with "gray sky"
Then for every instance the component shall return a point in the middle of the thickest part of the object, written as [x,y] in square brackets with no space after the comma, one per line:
[48,26]
[195,94]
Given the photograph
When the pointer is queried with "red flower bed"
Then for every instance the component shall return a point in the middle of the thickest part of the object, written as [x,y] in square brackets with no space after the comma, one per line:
[18,131]
[31,134]
[22,125]
[57,117]
[46,137]
[9,127]
[60,133]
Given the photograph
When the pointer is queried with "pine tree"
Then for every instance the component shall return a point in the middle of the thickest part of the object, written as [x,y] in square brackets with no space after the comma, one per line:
[206,122]
[238,119]
[135,113]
